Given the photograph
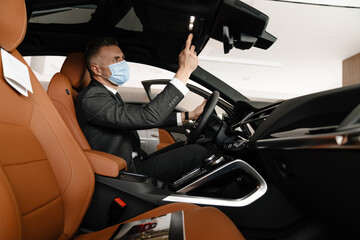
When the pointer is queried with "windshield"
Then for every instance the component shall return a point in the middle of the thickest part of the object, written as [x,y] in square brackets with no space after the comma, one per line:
[313,41]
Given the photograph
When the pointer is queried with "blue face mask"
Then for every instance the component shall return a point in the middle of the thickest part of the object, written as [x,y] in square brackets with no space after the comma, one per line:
[119,73]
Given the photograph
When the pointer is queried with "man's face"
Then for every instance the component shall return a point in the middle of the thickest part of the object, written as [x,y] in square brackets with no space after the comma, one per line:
[107,55]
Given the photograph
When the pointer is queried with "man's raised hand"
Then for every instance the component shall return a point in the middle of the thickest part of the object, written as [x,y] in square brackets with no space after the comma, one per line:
[188,61]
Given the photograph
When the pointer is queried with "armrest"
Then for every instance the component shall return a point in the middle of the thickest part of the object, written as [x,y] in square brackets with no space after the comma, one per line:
[105,164]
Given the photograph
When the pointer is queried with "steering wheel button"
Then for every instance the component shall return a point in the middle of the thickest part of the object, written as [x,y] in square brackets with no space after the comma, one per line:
[228,146]
[237,144]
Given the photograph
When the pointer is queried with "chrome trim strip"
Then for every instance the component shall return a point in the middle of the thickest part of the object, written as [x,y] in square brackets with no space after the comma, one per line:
[214,174]
[335,140]
[240,202]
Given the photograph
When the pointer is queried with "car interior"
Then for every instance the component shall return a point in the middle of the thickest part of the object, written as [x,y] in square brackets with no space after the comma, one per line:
[285,170]
[47,184]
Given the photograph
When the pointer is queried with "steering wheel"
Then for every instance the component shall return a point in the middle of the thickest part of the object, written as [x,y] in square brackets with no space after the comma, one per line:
[203,119]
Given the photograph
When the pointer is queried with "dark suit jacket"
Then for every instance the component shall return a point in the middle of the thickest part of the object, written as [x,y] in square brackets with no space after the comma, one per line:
[108,123]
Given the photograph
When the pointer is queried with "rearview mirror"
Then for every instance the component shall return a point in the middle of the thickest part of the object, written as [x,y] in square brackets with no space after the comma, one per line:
[241,26]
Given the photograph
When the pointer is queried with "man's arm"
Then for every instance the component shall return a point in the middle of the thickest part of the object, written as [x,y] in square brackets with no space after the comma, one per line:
[193,115]
[102,109]
[178,118]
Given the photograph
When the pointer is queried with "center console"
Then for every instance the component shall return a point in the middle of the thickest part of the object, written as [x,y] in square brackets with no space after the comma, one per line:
[207,185]
[219,181]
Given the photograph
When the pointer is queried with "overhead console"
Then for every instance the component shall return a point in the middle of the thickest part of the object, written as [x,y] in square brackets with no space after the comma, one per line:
[167,23]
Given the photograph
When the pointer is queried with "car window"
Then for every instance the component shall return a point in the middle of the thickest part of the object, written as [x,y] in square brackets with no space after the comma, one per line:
[44,67]
[130,22]
[306,58]
[65,15]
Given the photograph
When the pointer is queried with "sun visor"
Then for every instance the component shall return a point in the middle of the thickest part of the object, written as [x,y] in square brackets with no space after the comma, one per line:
[241,26]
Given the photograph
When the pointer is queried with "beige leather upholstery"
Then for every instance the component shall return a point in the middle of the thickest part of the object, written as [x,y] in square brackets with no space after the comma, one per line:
[46,181]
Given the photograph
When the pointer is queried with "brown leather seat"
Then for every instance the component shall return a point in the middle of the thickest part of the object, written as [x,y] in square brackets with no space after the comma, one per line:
[74,67]
[46,181]
[61,93]
[63,90]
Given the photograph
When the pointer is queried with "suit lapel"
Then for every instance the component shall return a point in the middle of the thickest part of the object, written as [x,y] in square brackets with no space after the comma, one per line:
[100,86]
[117,95]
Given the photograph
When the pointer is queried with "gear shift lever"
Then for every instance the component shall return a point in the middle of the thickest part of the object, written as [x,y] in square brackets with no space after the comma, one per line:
[209,159]
[207,164]
[212,161]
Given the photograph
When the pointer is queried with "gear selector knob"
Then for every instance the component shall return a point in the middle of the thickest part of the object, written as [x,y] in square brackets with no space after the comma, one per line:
[209,159]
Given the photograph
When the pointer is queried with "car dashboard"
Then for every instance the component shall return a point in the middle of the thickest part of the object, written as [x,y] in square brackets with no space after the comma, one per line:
[309,147]
[316,113]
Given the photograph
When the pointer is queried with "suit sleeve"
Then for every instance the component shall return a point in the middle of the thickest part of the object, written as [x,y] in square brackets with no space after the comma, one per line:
[171,121]
[102,109]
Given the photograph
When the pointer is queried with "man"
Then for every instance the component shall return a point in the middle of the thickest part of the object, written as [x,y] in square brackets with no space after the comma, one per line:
[109,124]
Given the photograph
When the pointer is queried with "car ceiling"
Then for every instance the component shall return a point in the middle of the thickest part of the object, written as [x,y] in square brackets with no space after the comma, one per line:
[165,27]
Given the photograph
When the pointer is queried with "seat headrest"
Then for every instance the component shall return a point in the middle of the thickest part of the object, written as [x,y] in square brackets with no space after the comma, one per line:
[74,68]
[13,23]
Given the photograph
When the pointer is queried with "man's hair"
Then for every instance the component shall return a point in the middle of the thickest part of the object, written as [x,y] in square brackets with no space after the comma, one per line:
[93,47]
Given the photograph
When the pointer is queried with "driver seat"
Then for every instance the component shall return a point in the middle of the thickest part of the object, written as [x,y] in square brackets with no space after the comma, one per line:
[63,90]
[46,181]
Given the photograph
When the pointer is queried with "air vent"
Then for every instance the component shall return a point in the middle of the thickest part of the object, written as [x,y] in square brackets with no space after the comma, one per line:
[250,123]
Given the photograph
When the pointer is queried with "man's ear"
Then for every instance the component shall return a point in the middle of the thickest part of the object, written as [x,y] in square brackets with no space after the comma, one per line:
[95,69]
